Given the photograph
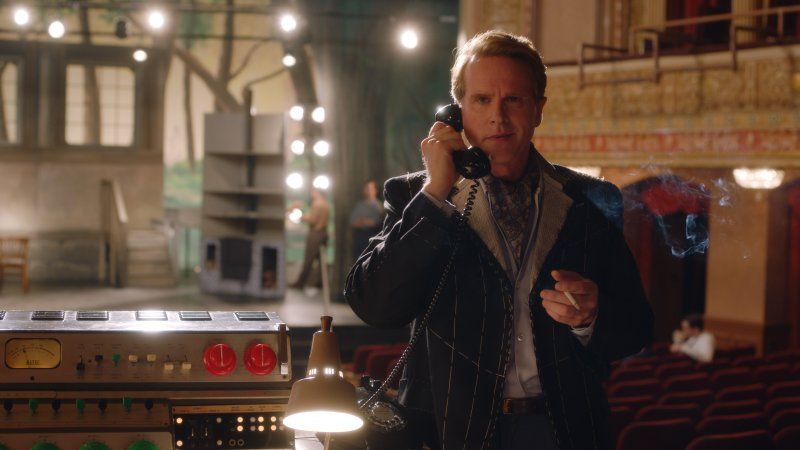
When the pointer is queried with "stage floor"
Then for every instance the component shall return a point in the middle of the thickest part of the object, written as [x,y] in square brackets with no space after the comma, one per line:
[297,308]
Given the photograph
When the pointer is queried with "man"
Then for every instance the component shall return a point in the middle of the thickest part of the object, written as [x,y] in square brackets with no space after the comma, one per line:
[365,219]
[692,341]
[506,361]
[317,220]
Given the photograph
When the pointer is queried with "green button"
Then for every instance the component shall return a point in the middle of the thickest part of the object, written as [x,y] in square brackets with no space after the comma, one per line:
[80,404]
[142,445]
[115,357]
[44,446]
[126,403]
[33,404]
[93,445]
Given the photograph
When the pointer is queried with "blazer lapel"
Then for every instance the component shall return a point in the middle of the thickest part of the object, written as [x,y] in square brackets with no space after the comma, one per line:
[553,208]
[480,220]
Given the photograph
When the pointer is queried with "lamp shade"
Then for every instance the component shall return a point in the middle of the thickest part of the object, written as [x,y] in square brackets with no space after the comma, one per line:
[323,401]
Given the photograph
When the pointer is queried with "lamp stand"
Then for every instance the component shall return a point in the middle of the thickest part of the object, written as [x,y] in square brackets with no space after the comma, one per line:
[327,441]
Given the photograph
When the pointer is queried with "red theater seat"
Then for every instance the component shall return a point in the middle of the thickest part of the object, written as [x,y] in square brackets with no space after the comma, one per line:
[747,361]
[379,360]
[773,373]
[779,404]
[713,366]
[667,370]
[784,419]
[703,397]
[619,418]
[736,376]
[734,353]
[750,391]
[647,386]
[692,382]
[628,373]
[748,440]
[732,423]
[784,389]
[736,407]
[360,356]
[690,411]
[673,434]
[784,356]
[635,403]
[787,439]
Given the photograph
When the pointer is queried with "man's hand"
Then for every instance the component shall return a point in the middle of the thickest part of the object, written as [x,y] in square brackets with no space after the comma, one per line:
[436,153]
[560,308]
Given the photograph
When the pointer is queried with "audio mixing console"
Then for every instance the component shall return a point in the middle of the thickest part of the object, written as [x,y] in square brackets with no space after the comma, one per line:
[143,380]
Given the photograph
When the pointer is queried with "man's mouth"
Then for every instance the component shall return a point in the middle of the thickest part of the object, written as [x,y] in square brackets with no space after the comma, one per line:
[500,136]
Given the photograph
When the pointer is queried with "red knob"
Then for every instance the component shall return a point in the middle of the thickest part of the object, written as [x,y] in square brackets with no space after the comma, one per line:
[260,359]
[219,359]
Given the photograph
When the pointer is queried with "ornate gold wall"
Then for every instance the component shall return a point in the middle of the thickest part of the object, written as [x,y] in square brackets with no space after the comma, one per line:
[691,117]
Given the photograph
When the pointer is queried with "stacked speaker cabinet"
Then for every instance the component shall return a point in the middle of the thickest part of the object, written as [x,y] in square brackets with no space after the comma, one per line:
[243,205]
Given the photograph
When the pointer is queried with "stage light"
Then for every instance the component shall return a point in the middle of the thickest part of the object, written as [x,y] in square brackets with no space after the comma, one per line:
[295,215]
[409,38]
[318,115]
[22,16]
[56,29]
[156,19]
[140,55]
[289,60]
[296,113]
[322,182]
[294,180]
[298,147]
[322,148]
[760,178]
[288,23]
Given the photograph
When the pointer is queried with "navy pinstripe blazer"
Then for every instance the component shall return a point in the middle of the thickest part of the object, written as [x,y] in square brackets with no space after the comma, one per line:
[457,371]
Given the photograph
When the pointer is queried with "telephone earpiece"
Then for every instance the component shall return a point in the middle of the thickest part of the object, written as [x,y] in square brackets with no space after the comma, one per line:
[471,163]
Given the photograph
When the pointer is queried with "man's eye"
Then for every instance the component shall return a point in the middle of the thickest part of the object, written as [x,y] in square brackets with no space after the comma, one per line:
[482,100]
[514,100]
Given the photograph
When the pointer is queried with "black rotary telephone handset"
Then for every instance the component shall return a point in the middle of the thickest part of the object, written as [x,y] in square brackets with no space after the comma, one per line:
[471,163]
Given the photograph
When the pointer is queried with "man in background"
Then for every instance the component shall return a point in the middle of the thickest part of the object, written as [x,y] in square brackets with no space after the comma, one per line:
[366,217]
[317,220]
[692,340]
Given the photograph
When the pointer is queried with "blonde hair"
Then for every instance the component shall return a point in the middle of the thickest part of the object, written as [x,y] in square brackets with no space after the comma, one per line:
[498,43]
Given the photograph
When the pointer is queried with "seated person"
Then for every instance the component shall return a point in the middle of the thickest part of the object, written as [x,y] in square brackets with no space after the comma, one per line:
[692,341]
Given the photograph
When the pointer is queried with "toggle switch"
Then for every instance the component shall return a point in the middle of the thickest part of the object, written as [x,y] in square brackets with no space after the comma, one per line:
[56,404]
[98,358]
[151,357]
[8,405]
[169,365]
[126,403]
[33,404]
[133,358]
[148,404]
[80,405]
[102,404]
[115,358]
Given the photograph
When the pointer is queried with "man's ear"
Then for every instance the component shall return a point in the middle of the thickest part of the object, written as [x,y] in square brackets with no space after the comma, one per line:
[537,116]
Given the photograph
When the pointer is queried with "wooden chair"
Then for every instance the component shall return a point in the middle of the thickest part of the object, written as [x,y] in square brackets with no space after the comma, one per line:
[14,258]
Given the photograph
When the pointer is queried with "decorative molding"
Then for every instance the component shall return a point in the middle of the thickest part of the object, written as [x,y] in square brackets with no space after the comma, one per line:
[724,148]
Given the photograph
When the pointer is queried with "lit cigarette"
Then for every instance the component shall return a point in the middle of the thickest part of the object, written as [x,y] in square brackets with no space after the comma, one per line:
[572,300]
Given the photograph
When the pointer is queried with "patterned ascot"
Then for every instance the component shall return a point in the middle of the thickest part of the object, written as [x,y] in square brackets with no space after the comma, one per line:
[512,206]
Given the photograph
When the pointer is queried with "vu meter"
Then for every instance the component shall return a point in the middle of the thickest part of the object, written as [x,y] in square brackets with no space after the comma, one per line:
[32,353]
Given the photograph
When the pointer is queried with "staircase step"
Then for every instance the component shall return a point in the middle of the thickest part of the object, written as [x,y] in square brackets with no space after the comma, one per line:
[147,269]
[152,281]
[148,255]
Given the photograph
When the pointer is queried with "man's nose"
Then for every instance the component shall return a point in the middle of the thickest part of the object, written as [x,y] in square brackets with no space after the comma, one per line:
[498,113]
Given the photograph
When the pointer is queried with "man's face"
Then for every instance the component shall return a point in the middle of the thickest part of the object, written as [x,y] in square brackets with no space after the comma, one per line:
[688,330]
[370,190]
[500,111]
